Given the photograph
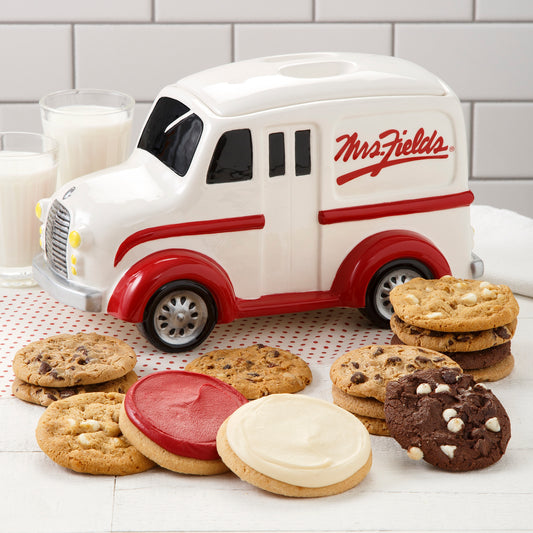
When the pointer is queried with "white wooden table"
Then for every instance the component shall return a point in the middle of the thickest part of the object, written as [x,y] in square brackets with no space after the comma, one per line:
[38,496]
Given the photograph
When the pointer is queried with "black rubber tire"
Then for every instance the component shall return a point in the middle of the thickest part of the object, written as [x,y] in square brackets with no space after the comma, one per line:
[179,316]
[377,305]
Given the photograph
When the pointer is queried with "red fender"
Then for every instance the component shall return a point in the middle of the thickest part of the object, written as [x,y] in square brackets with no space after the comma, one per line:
[139,283]
[356,271]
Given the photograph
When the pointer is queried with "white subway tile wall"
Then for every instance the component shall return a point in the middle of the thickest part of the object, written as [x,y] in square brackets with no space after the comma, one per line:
[481,48]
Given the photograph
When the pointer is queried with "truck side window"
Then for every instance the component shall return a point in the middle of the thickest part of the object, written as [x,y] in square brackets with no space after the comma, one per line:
[232,158]
[276,154]
[302,149]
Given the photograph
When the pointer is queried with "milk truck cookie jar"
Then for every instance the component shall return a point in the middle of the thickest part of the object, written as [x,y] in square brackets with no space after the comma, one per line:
[266,186]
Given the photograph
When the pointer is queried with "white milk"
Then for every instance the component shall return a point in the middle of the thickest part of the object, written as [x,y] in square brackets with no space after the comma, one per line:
[90,138]
[25,178]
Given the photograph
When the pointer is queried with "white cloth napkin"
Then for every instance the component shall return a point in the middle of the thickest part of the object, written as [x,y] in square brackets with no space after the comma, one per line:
[504,241]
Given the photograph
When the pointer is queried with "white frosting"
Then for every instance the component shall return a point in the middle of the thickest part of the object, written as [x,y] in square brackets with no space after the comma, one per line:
[299,440]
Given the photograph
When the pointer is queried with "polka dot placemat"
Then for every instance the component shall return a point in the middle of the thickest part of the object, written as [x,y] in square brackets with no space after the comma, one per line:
[319,337]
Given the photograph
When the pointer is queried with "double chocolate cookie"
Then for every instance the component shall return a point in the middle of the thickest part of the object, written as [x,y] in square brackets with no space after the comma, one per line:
[360,377]
[447,419]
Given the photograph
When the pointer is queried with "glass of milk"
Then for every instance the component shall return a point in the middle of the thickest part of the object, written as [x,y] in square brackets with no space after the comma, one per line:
[92,127]
[28,172]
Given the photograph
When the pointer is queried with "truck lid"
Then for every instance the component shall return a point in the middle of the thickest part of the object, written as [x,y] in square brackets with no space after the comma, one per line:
[277,81]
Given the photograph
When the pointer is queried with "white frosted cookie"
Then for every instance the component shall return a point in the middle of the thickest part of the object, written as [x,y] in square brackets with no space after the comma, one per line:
[295,445]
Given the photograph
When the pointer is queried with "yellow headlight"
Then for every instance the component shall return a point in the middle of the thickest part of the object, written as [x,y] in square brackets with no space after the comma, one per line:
[38,210]
[74,239]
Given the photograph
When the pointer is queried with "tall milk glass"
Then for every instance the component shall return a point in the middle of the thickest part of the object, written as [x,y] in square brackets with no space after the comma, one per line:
[28,172]
[92,127]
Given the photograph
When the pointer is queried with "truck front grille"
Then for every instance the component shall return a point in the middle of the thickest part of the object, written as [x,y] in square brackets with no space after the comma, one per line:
[56,237]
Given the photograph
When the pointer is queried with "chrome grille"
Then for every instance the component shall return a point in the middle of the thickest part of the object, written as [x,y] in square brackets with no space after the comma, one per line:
[56,237]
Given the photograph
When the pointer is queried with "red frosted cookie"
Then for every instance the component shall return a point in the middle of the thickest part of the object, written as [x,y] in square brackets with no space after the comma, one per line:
[173,417]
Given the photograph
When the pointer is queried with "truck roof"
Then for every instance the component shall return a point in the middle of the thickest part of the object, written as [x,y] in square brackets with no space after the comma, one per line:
[278,81]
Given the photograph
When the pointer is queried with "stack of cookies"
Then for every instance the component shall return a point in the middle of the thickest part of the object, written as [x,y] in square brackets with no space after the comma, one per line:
[66,365]
[470,321]
[360,378]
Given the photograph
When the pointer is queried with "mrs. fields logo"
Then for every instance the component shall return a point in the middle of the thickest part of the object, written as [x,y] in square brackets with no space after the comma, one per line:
[390,148]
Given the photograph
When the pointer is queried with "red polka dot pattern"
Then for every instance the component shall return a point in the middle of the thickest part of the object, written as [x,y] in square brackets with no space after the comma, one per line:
[318,337]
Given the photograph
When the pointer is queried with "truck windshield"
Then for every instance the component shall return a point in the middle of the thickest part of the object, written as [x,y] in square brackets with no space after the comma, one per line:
[171,134]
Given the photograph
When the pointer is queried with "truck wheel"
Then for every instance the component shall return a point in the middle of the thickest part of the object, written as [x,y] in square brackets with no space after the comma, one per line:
[179,316]
[378,306]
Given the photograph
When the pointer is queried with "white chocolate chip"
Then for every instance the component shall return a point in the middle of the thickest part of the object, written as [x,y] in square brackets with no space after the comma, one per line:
[448,450]
[493,424]
[448,413]
[90,425]
[84,440]
[429,289]
[71,423]
[455,425]
[487,293]
[412,299]
[469,298]
[415,453]
[481,386]
[484,285]
[460,285]
[423,388]
[442,387]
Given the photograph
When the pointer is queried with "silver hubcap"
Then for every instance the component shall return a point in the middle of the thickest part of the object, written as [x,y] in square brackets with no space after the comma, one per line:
[180,317]
[394,278]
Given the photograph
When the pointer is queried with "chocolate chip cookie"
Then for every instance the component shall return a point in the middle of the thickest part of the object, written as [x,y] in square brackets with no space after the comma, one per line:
[441,341]
[46,395]
[71,360]
[82,433]
[445,418]
[255,371]
[366,371]
[454,305]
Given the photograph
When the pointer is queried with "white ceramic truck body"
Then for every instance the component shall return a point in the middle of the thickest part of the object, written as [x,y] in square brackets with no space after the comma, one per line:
[267,186]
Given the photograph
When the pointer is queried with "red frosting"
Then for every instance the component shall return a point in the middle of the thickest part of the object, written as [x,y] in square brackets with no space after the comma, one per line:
[182,411]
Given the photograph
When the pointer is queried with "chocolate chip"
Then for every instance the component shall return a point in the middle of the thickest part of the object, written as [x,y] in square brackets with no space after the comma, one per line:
[377,352]
[260,346]
[449,375]
[377,377]
[275,353]
[250,363]
[270,364]
[393,360]
[67,393]
[226,367]
[483,446]
[55,375]
[414,331]
[253,374]
[355,364]
[422,359]
[410,367]
[463,338]
[358,378]
[82,361]
[438,359]
[51,396]
[502,332]
[436,334]
[44,368]
[81,351]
